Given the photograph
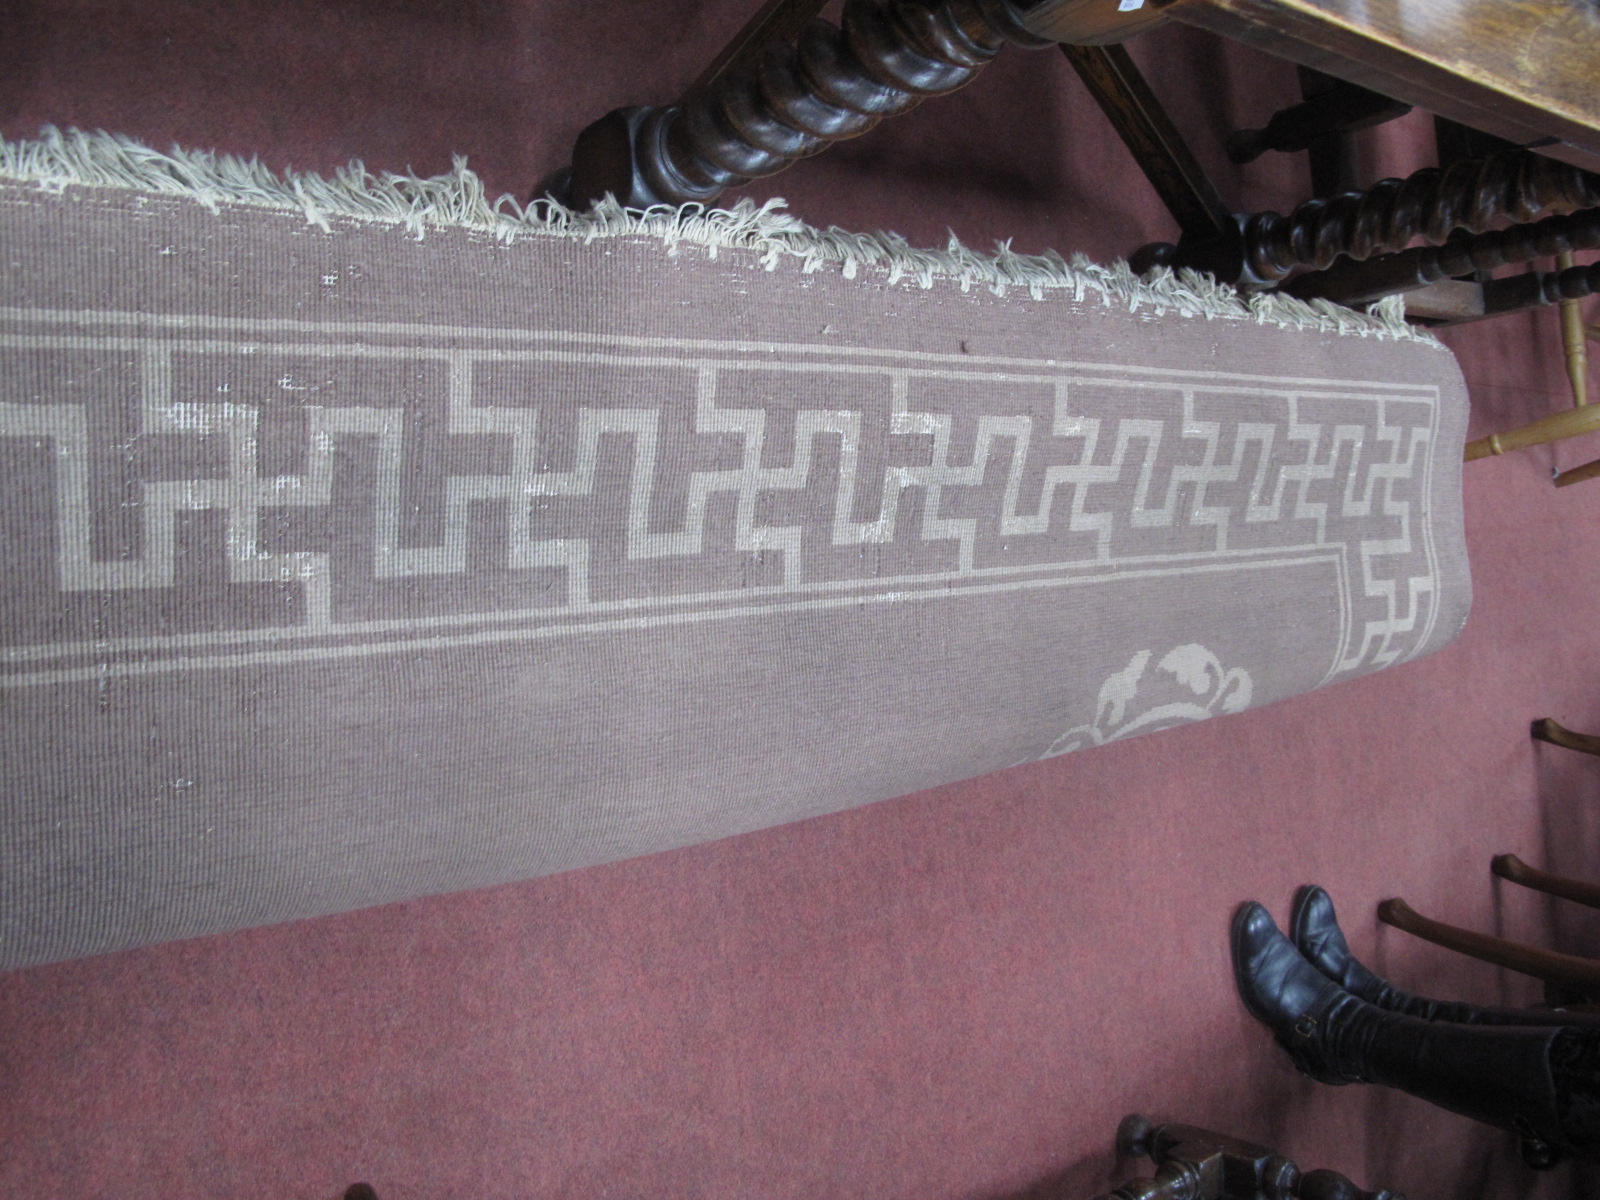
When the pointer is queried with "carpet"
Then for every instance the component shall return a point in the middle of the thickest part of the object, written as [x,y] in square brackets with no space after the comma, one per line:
[366,539]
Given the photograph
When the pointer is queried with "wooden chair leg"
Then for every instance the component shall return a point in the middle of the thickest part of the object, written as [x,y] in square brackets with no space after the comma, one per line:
[1197,1164]
[1150,136]
[1546,729]
[1575,346]
[1512,868]
[1557,427]
[1578,474]
[1566,969]
[1574,339]
[1331,106]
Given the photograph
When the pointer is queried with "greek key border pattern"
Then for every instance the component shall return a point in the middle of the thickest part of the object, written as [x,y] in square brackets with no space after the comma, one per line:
[1409,604]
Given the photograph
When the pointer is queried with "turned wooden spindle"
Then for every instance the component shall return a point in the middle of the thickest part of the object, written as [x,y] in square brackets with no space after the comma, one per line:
[1542,287]
[1342,108]
[1526,291]
[833,82]
[1470,195]
[757,110]
[1361,282]
[1198,1164]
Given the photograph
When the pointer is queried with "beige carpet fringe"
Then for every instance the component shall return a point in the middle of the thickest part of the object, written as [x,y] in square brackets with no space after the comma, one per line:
[57,160]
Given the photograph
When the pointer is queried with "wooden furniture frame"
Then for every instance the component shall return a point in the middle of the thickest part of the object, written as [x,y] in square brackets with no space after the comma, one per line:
[1520,69]
[1566,971]
[1191,1164]
[1547,729]
[789,84]
[1197,1164]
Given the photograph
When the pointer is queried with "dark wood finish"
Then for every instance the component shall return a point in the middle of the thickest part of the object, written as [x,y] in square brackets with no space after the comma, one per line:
[1535,288]
[1448,302]
[1578,474]
[1512,868]
[1198,1164]
[787,85]
[1568,970]
[1546,729]
[1430,203]
[1455,142]
[1521,69]
[1152,139]
[1192,1164]
[1332,157]
[1090,22]
[1352,282]
[1340,108]
[1472,195]
[775,21]
[831,83]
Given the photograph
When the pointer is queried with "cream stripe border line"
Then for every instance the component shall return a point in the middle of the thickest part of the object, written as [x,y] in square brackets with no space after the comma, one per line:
[636,612]
[105,672]
[58,159]
[270,334]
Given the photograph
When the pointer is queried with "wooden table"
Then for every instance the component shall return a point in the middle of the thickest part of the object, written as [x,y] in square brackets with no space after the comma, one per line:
[1522,70]
[1525,70]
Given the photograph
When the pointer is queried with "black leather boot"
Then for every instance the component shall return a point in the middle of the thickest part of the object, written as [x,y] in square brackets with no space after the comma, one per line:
[1314,928]
[1501,1075]
[1291,997]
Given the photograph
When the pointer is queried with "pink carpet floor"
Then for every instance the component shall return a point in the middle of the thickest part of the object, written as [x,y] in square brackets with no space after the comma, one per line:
[956,994]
